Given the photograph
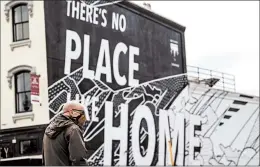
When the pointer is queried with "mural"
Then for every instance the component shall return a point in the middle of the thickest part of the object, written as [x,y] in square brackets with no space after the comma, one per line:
[99,3]
[229,134]
[129,71]
[182,124]
[111,43]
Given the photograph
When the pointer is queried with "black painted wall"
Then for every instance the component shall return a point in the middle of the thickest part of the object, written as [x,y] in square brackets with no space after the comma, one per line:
[145,30]
[148,34]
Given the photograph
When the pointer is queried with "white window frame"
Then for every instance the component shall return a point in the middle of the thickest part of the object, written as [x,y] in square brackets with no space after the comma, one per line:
[14,70]
[9,5]
[10,75]
[8,8]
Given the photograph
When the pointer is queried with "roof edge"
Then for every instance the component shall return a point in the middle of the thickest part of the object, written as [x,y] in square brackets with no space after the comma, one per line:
[155,15]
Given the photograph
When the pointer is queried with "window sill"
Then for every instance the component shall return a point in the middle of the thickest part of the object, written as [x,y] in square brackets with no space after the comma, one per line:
[20,116]
[20,44]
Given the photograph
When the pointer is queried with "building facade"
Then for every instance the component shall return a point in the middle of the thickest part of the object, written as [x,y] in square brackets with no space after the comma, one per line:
[128,67]
[23,52]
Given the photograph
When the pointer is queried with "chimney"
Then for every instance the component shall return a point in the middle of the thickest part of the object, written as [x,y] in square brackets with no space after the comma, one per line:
[147,5]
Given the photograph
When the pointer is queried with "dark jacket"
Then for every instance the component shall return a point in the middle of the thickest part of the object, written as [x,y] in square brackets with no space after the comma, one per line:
[63,143]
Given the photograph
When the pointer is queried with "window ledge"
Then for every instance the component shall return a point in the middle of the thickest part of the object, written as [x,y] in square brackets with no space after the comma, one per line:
[20,116]
[20,44]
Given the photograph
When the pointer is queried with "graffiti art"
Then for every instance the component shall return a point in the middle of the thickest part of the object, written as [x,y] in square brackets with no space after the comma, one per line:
[128,69]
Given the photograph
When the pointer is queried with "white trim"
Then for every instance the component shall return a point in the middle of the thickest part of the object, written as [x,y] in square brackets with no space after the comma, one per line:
[11,3]
[20,44]
[23,157]
[16,69]
[25,115]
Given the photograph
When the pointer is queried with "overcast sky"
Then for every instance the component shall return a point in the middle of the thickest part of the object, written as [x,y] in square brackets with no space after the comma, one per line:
[219,35]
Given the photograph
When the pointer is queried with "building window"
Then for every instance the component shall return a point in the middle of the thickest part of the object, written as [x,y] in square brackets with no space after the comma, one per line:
[23,92]
[28,146]
[20,22]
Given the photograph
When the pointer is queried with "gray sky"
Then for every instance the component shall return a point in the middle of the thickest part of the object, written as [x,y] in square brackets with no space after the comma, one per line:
[220,35]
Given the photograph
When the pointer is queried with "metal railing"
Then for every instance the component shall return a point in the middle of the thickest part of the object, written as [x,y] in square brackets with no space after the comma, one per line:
[212,78]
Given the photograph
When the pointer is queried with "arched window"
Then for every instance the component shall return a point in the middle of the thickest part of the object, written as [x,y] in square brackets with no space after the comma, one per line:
[23,92]
[20,22]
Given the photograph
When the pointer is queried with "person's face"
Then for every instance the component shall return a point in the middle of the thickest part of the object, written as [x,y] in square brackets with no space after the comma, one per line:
[82,120]
[76,112]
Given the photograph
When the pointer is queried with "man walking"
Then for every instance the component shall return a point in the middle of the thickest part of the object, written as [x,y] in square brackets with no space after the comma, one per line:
[63,143]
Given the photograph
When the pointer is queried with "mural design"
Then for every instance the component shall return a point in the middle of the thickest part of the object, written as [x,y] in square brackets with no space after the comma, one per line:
[230,131]
[99,3]
[167,104]
[129,70]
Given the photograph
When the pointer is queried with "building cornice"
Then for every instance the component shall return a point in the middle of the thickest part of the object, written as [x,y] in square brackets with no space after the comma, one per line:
[16,69]
[12,3]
